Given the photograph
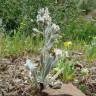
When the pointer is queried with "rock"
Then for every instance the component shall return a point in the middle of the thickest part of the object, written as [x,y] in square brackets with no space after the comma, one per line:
[93,70]
[5,61]
[66,90]
[56,85]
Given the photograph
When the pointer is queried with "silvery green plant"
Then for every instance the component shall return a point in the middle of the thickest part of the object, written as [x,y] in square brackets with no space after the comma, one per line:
[50,31]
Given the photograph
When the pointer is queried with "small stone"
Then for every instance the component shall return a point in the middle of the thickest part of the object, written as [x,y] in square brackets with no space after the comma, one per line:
[66,90]
[93,70]
[56,85]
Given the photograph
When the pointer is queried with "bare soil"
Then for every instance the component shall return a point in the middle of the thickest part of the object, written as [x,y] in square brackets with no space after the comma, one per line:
[14,79]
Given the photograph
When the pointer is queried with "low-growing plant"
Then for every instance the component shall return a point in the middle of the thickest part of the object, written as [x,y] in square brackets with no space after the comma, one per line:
[19,43]
[67,67]
[82,87]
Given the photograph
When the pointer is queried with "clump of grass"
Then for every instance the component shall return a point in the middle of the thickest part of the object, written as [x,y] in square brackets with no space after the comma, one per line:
[19,43]
[67,69]
[91,50]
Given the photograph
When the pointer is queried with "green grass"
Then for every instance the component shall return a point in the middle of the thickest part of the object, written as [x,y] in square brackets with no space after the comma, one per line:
[19,43]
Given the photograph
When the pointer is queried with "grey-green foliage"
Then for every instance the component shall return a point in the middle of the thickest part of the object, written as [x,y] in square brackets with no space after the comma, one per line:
[50,33]
[49,30]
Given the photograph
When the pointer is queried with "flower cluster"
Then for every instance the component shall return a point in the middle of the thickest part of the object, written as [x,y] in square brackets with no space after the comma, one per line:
[50,29]
[67,43]
[84,71]
[55,28]
[58,52]
[43,16]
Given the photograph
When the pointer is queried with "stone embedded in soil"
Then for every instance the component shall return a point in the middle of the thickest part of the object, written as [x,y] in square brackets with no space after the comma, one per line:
[66,90]
[93,70]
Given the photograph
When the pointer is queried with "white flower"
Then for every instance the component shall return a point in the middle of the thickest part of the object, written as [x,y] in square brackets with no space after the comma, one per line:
[76,81]
[47,19]
[66,54]
[46,11]
[29,65]
[31,20]
[55,27]
[84,71]
[43,16]
[46,15]
[40,19]
[58,52]
[41,11]
[36,30]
